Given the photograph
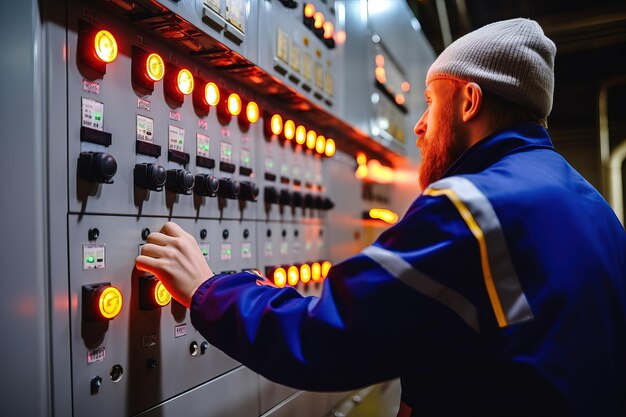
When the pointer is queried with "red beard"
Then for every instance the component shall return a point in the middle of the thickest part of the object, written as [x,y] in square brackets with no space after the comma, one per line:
[440,149]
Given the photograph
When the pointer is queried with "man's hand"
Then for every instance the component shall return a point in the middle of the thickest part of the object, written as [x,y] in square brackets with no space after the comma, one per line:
[174,257]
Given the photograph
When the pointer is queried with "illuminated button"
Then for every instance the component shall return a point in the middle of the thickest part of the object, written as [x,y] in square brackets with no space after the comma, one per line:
[289,129]
[211,94]
[329,149]
[329,29]
[320,144]
[90,259]
[311,138]
[305,273]
[309,10]
[280,277]
[316,271]
[300,135]
[293,275]
[184,81]
[161,295]
[325,268]
[361,158]
[252,112]
[155,68]
[109,302]
[276,124]
[405,86]
[234,104]
[152,293]
[318,20]
[105,46]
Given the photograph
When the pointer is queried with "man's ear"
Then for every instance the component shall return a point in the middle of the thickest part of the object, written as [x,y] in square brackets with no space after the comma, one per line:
[472,101]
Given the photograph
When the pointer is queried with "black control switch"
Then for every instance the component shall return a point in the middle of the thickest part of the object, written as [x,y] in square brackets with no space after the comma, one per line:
[206,185]
[179,181]
[285,198]
[97,166]
[308,200]
[228,188]
[270,195]
[248,191]
[327,203]
[150,176]
[296,199]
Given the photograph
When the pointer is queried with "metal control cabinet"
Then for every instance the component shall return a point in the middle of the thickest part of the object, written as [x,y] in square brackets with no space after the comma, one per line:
[98,136]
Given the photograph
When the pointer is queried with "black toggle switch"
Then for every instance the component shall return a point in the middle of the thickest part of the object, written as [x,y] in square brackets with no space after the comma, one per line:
[270,195]
[97,166]
[228,188]
[150,176]
[285,198]
[308,200]
[296,199]
[248,191]
[179,181]
[206,185]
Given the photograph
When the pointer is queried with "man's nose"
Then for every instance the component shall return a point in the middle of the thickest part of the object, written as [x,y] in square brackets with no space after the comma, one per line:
[420,126]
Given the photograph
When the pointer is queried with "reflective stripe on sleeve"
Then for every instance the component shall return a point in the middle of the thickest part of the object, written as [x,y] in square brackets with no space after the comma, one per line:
[503,287]
[402,270]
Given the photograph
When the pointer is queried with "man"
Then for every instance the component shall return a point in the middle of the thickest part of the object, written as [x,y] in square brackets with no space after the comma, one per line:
[501,292]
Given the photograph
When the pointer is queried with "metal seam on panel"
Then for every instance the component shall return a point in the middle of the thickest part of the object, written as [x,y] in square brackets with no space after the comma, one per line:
[509,296]
[402,270]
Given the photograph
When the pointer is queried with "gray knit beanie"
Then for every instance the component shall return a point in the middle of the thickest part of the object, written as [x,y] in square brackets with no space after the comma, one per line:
[512,59]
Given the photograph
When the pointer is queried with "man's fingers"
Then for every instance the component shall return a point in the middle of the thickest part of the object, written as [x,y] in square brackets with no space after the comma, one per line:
[159,239]
[146,263]
[172,229]
[152,250]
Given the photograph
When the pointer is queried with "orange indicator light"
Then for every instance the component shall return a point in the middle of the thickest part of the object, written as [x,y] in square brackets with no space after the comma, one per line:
[305,273]
[293,275]
[234,104]
[380,74]
[329,149]
[316,271]
[318,18]
[405,86]
[161,295]
[325,268]
[110,302]
[276,124]
[211,94]
[184,81]
[105,46]
[361,158]
[320,144]
[399,99]
[380,60]
[252,112]
[290,129]
[300,135]
[385,215]
[311,138]
[361,172]
[280,277]
[309,10]
[329,29]
[155,68]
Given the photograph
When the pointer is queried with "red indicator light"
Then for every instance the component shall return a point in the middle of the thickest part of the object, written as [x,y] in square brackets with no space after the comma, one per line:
[329,149]
[184,81]
[234,104]
[101,302]
[211,94]
[293,275]
[96,48]
[252,112]
[320,144]
[152,293]
[311,138]
[276,124]
[289,129]
[105,46]
[155,67]
[300,135]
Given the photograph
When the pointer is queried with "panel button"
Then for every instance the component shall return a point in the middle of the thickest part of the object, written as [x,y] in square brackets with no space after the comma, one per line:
[228,188]
[179,181]
[97,167]
[206,185]
[150,176]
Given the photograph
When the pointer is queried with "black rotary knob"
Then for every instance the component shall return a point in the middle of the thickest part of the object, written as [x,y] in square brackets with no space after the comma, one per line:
[308,200]
[179,181]
[270,195]
[297,199]
[97,166]
[206,185]
[228,188]
[248,191]
[150,176]
[285,198]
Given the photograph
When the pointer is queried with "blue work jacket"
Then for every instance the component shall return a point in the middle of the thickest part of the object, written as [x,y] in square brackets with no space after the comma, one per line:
[500,292]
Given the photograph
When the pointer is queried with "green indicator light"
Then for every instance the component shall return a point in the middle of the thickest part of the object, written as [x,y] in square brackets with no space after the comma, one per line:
[205,252]
[180,142]
[229,152]
[90,259]
[206,147]
[97,116]
[229,251]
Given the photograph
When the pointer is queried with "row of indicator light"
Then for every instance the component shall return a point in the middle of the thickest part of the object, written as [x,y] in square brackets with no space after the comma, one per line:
[309,138]
[315,20]
[293,274]
[149,68]
[104,301]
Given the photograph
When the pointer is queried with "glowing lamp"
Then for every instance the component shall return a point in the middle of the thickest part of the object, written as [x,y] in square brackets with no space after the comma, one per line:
[280,277]
[399,99]
[305,273]
[309,10]
[161,295]
[252,112]
[293,275]
[184,81]
[329,29]
[329,149]
[105,46]
[320,144]
[300,135]
[380,60]
[152,293]
[276,124]
[211,94]
[361,158]
[385,215]
[289,129]
[316,271]
[311,138]
[101,302]
[318,20]
[361,172]
[110,302]
[405,86]
[325,268]
[155,67]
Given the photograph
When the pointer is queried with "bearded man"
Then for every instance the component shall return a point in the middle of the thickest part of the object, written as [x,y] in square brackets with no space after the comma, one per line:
[502,292]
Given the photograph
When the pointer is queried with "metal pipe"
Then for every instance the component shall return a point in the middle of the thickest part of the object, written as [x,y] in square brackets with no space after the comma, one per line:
[444,23]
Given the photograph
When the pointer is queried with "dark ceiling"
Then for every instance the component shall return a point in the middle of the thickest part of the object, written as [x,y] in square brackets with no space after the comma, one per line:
[591,50]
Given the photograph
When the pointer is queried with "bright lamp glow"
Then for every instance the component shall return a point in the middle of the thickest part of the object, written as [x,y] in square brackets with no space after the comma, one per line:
[311,138]
[105,46]
[234,104]
[155,68]
[309,10]
[305,273]
[293,275]
[184,81]
[329,149]
[161,295]
[320,144]
[110,302]
[252,112]
[316,271]
[300,135]
[276,124]
[212,94]
[280,277]
[289,129]
[385,215]
[325,268]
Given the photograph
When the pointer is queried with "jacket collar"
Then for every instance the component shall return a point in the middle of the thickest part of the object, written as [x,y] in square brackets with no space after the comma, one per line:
[492,148]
